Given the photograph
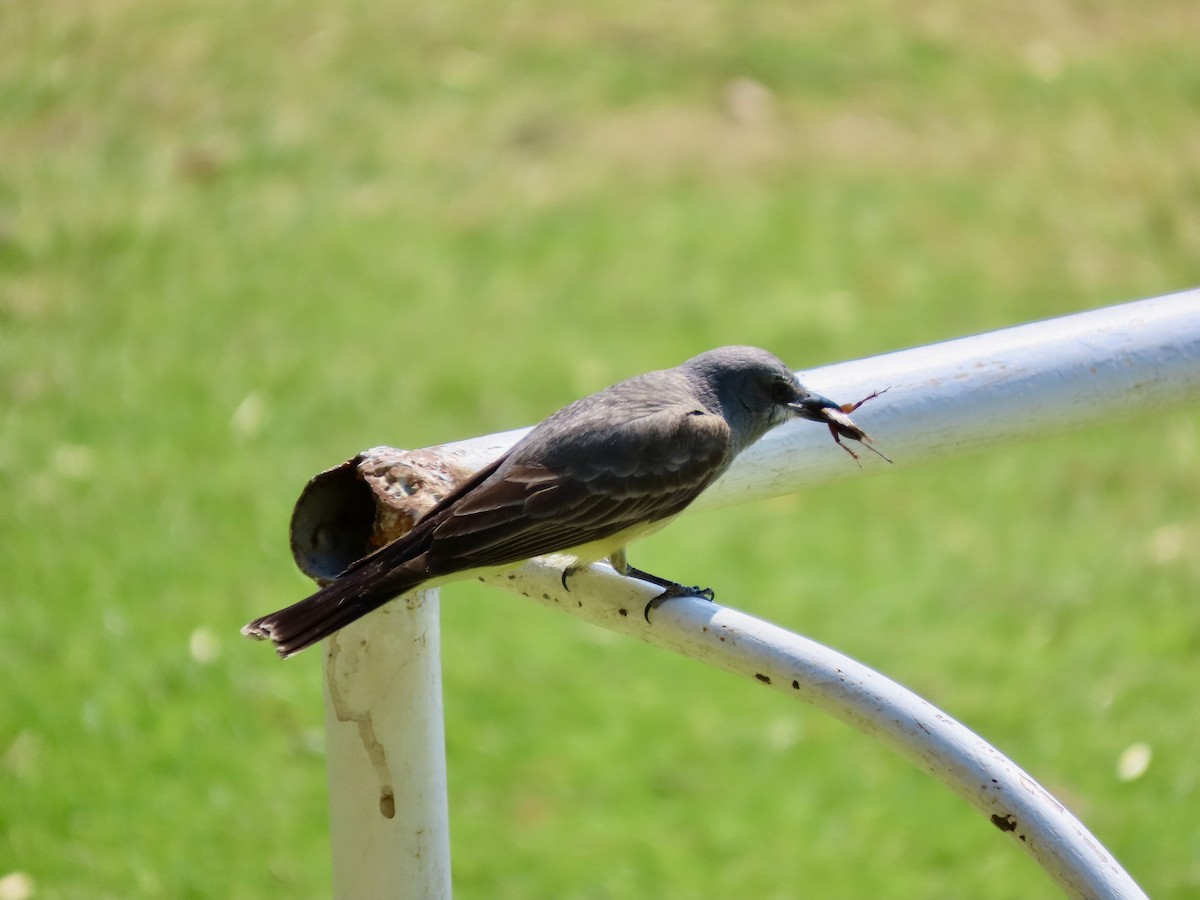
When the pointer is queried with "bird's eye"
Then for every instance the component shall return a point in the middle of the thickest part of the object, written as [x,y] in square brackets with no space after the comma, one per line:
[782,391]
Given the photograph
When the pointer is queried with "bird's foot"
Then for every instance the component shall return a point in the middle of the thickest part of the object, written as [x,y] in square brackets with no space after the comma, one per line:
[677,590]
[671,590]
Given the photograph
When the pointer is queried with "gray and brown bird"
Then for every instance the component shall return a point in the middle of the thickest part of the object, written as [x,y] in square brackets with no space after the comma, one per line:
[605,470]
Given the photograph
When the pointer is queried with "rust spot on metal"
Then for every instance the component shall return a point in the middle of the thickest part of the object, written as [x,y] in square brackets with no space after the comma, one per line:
[387,803]
[1004,823]
[346,711]
[406,484]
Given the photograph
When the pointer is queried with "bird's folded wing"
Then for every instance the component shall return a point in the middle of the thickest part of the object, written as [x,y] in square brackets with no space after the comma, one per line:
[585,488]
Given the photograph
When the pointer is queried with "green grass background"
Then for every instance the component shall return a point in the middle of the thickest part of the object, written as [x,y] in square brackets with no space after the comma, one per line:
[239,242]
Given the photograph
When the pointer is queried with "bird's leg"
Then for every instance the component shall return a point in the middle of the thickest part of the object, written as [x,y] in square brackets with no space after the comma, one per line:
[671,589]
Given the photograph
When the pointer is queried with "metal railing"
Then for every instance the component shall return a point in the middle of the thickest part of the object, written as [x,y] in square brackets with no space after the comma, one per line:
[387,772]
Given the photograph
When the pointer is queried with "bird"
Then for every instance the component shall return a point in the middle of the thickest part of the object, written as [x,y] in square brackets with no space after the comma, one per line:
[605,470]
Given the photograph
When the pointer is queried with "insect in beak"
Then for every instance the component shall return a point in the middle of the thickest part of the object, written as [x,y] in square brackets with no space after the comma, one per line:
[837,417]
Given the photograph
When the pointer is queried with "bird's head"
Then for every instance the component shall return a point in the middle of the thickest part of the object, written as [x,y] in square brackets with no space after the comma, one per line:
[757,391]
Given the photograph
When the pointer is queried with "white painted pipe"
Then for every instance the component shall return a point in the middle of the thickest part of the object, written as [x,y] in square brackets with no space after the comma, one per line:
[386,755]
[847,690]
[1125,361]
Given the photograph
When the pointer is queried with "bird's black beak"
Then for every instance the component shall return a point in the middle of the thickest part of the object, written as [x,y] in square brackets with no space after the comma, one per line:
[816,408]
[813,407]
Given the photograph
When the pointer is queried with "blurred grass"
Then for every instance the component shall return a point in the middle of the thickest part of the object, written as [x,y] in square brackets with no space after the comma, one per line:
[240,242]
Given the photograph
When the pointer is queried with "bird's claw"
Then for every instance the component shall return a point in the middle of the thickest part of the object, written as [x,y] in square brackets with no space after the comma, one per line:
[677,590]
[566,573]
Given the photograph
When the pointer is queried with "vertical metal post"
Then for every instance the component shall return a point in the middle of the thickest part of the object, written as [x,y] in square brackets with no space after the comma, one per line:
[385,742]
[388,812]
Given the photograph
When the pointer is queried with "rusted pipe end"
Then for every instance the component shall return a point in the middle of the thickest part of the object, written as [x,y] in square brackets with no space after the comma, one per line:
[371,499]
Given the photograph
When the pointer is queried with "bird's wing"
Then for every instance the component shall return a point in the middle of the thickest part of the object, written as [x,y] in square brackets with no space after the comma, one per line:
[587,487]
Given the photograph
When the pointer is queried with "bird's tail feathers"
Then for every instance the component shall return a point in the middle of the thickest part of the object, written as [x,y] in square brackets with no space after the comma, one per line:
[356,593]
